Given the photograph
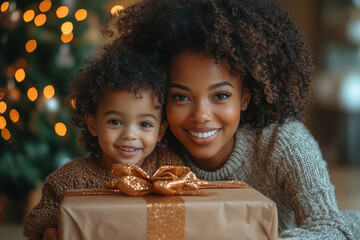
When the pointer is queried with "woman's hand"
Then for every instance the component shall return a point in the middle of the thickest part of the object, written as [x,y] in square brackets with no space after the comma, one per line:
[50,234]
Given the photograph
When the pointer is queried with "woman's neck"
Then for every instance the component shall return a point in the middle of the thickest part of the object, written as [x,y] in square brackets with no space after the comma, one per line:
[218,160]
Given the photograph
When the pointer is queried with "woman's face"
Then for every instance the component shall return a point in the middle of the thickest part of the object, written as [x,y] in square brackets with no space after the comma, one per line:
[203,108]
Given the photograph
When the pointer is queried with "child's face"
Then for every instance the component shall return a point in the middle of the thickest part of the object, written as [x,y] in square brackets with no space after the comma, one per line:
[127,127]
[204,106]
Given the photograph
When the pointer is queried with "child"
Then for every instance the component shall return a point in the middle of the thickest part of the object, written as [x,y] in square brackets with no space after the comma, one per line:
[232,58]
[118,106]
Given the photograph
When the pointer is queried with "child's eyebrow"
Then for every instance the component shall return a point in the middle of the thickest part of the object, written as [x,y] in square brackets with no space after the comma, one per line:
[141,115]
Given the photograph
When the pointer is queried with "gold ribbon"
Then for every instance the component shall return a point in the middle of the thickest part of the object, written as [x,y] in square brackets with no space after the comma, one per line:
[167,180]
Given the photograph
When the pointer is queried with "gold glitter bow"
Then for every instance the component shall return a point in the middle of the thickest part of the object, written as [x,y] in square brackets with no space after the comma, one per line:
[167,180]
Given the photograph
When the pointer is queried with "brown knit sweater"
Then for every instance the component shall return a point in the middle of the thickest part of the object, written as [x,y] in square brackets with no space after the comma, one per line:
[79,174]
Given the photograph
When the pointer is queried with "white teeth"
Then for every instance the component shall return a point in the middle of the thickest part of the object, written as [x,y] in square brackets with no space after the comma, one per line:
[205,134]
[127,149]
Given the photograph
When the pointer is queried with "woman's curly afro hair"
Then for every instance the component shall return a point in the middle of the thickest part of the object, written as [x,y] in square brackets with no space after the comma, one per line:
[258,39]
[114,68]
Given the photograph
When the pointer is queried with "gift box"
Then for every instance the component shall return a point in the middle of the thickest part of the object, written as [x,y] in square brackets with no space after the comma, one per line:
[237,213]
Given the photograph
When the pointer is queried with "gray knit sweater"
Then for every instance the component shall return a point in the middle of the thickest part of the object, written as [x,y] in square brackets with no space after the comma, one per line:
[284,163]
[79,174]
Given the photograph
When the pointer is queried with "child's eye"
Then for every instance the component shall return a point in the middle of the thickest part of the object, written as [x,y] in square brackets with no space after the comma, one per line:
[114,122]
[222,96]
[145,125]
[180,97]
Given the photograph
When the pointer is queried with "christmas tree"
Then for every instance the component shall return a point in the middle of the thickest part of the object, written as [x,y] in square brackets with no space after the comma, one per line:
[43,44]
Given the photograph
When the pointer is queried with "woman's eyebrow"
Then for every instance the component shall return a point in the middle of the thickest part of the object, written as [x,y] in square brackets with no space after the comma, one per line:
[175,85]
[220,85]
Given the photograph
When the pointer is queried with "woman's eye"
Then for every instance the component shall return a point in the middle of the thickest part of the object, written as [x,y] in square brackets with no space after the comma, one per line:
[180,97]
[114,122]
[145,125]
[222,96]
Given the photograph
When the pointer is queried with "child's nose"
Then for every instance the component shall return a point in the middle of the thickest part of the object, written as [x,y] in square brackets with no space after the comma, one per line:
[201,112]
[129,133]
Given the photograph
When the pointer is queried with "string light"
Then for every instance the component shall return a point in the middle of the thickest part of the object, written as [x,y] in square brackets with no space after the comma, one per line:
[49,91]
[21,63]
[5,133]
[67,27]
[20,75]
[32,94]
[62,12]
[2,93]
[60,129]
[40,20]
[29,15]
[10,71]
[15,94]
[4,6]
[73,103]
[80,14]
[66,38]
[30,46]
[14,115]
[115,9]
[45,6]
[2,122]
[3,107]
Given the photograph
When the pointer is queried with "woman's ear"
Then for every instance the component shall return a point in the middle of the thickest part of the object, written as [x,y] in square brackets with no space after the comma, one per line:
[91,124]
[162,130]
[245,98]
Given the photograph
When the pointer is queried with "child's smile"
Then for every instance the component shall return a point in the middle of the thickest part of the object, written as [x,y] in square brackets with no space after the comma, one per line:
[204,106]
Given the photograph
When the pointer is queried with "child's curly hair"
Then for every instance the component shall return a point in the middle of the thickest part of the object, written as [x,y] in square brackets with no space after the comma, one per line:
[258,38]
[115,68]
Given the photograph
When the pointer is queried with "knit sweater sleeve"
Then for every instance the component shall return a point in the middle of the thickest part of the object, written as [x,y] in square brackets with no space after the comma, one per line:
[45,214]
[303,174]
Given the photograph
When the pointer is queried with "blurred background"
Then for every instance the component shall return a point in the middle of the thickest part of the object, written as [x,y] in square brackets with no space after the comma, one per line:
[43,43]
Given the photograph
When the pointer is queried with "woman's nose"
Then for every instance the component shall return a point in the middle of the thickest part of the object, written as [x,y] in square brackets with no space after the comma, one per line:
[129,133]
[201,112]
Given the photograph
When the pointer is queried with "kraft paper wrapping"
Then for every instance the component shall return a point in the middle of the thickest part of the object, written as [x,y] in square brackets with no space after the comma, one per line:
[226,214]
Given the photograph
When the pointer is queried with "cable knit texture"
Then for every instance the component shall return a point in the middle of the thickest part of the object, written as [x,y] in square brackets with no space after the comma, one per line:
[79,174]
[284,163]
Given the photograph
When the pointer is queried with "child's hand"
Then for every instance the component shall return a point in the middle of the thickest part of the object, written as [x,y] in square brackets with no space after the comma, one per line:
[50,234]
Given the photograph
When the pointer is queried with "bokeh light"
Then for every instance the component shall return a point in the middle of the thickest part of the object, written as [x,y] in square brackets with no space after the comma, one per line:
[62,12]
[5,133]
[49,91]
[21,63]
[66,38]
[20,75]
[29,15]
[15,94]
[3,107]
[67,27]
[14,115]
[60,129]
[10,71]
[32,94]
[73,103]
[40,20]
[2,93]
[2,122]
[31,46]
[45,5]
[4,6]
[80,14]
[114,10]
